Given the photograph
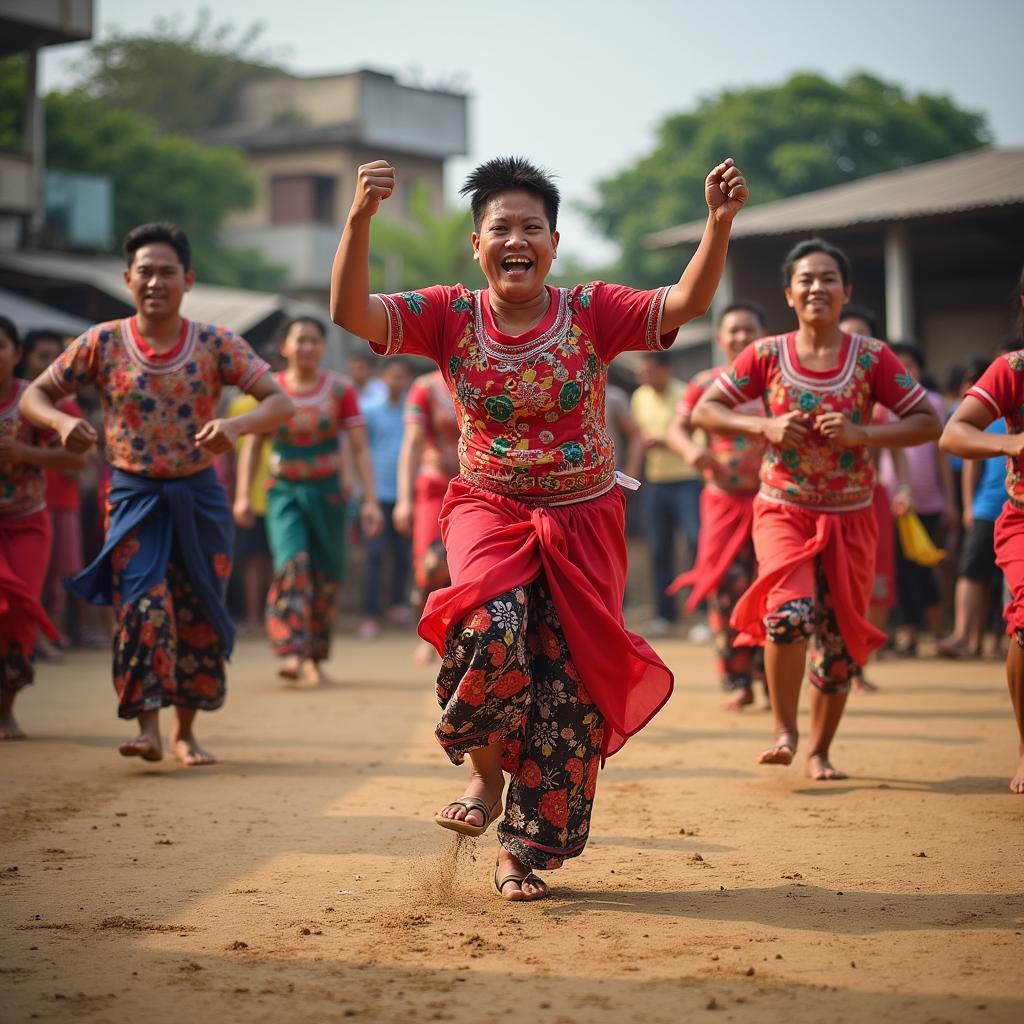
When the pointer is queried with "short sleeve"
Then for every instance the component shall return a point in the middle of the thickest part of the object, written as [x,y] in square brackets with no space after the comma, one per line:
[691,396]
[416,321]
[893,386]
[417,404]
[78,365]
[626,319]
[1000,387]
[746,377]
[349,413]
[239,365]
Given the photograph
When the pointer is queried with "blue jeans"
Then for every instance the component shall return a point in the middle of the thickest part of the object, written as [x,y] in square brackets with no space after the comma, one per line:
[670,507]
[401,558]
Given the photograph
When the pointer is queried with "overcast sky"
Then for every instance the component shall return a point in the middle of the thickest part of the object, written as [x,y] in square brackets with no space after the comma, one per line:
[580,85]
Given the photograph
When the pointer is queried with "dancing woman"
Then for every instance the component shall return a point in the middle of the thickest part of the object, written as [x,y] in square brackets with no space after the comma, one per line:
[539,676]
[1000,393]
[814,529]
[305,504]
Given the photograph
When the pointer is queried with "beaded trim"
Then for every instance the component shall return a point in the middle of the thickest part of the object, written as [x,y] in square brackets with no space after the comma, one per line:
[521,353]
[655,312]
[791,375]
[396,335]
[160,366]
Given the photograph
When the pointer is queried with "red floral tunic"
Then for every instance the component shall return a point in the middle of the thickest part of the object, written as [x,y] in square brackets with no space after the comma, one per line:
[738,456]
[1001,390]
[530,408]
[153,403]
[306,447]
[22,486]
[821,474]
[429,403]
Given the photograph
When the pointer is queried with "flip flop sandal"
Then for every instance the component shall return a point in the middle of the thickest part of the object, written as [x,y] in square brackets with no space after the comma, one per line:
[529,877]
[467,828]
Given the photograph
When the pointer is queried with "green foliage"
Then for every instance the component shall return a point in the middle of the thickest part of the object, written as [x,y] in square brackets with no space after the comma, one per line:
[806,134]
[12,102]
[428,249]
[184,80]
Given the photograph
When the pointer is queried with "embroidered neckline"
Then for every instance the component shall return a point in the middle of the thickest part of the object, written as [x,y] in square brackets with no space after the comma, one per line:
[558,312]
[304,398]
[159,362]
[829,380]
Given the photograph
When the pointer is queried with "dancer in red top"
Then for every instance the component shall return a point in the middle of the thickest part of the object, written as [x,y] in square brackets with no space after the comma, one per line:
[25,453]
[428,461]
[725,563]
[1000,393]
[814,529]
[539,676]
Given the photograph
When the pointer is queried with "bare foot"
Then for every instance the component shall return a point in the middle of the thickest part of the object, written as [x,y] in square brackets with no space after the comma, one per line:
[288,668]
[145,746]
[954,648]
[782,753]
[862,684]
[424,654]
[516,882]
[314,675]
[820,769]
[739,699]
[1017,782]
[187,750]
[9,728]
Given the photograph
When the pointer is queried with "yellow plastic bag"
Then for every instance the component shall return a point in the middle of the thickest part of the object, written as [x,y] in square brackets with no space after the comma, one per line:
[916,543]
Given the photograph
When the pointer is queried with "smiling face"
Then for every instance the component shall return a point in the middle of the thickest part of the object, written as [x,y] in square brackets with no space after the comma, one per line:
[736,331]
[515,245]
[303,347]
[157,280]
[816,291]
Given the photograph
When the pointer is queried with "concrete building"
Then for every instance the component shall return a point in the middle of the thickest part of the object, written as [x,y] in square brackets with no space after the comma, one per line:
[305,138]
[936,249]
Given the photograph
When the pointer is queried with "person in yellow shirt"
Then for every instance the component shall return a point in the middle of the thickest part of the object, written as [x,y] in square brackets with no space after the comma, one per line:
[672,485]
[252,554]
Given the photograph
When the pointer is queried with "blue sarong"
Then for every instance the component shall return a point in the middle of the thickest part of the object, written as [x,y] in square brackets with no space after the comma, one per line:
[190,511]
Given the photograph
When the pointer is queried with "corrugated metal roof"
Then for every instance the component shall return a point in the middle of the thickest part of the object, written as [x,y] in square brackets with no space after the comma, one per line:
[236,308]
[29,315]
[983,179]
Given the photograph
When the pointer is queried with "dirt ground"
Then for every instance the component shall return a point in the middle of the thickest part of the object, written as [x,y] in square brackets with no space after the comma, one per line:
[302,878]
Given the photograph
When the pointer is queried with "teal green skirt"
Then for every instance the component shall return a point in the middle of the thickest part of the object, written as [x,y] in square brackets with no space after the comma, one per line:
[307,516]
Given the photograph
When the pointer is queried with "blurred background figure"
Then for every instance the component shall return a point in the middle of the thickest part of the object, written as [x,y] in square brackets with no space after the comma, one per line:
[384,429]
[672,499]
[362,367]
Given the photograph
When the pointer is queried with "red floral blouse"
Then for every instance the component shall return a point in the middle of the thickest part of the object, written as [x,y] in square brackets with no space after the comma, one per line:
[822,474]
[1001,389]
[530,409]
[154,403]
[429,403]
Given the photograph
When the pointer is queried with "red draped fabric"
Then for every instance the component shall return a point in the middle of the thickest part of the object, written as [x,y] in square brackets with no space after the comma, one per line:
[495,544]
[24,554]
[1009,544]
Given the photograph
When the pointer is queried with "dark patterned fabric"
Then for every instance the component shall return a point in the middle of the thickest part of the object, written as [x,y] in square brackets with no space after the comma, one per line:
[831,667]
[300,610]
[166,650]
[16,671]
[737,666]
[507,674]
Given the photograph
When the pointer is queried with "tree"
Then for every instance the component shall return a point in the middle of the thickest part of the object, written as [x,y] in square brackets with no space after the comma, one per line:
[184,80]
[156,177]
[806,134]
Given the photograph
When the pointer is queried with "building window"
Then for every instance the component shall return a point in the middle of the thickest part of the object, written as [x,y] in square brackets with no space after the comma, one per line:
[302,198]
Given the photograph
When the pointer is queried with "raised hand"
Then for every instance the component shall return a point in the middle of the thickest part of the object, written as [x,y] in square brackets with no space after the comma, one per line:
[77,435]
[375,181]
[787,429]
[725,190]
[840,429]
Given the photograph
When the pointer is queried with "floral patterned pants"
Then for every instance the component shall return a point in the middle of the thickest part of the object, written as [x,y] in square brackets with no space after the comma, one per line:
[507,675]
[737,666]
[300,610]
[165,649]
[832,667]
[16,671]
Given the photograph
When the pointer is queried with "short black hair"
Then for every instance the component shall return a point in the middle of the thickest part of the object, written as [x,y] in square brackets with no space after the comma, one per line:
[158,231]
[744,306]
[8,328]
[286,327]
[852,311]
[29,342]
[909,348]
[812,245]
[509,174]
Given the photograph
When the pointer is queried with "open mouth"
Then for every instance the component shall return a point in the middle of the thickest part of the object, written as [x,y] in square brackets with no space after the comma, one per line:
[516,265]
